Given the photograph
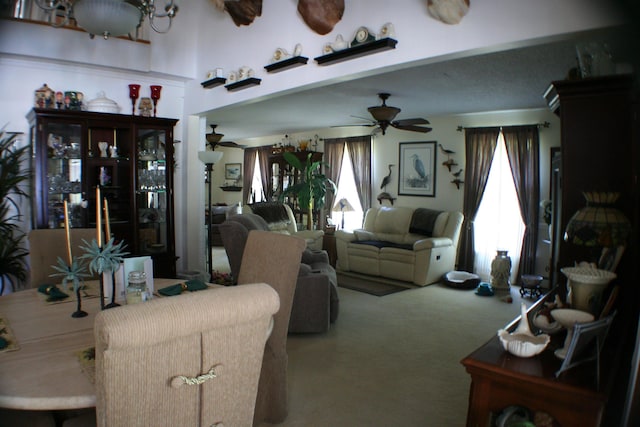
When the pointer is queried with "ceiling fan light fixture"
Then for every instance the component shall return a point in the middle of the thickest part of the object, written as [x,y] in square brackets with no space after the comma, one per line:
[384,113]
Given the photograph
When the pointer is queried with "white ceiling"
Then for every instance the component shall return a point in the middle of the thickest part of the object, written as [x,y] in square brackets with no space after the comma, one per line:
[507,80]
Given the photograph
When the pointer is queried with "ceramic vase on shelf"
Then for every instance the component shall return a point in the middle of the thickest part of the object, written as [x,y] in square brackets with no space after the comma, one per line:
[500,271]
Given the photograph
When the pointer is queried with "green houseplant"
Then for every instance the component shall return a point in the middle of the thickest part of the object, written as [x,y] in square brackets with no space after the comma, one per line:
[313,186]
[12,253]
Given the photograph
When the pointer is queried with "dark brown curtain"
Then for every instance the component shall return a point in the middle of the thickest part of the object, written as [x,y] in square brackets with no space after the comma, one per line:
[333,154]
[248,168]
[523,150]
[266,173]
[480,146]
[359,150]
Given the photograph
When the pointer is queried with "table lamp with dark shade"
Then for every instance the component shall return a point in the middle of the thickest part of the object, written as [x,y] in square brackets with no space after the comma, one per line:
[343,206]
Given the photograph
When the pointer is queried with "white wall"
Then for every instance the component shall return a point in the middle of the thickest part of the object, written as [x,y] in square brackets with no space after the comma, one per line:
[204,38]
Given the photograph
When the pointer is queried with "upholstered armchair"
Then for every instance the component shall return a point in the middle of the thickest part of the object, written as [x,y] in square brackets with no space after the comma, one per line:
[279,218]
[316,302]
[189,360]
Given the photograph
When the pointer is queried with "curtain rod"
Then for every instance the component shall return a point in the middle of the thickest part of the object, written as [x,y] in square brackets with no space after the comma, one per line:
[544,125]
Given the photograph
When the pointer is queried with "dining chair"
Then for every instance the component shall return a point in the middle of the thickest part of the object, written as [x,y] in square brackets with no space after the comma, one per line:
[274,259]
[187,360]
[46,245]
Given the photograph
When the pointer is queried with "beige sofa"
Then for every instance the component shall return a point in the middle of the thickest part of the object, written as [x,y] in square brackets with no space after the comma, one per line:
[414,245]
[280,219]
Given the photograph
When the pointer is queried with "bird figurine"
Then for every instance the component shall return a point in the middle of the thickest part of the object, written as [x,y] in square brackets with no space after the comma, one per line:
[449,163]
[457,182]
[457,174]
[446,151]
[387,179]
[385,196]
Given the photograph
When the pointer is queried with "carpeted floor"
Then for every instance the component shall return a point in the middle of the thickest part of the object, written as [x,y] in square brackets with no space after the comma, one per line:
[369,286]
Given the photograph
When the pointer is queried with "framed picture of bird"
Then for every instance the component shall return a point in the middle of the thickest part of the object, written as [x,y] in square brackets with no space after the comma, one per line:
[417,171]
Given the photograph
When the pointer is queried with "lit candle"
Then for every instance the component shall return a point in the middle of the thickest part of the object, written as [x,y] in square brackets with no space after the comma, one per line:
[107,225]
[98,218]
[68,233]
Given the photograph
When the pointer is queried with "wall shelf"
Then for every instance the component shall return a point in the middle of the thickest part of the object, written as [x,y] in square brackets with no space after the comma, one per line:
[287,64]
[357,51]
[243,84]
[231,188]
[216,81]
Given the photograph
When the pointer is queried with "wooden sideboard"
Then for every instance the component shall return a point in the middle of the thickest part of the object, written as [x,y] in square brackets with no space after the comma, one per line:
[499,380]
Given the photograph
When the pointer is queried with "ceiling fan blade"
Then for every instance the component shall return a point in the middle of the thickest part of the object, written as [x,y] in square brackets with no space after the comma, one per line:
[411,128]
[415,121]
[361,125]
[230,144]
[368,119]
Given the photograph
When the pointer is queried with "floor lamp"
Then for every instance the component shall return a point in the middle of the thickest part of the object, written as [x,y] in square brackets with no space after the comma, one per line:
[209,158]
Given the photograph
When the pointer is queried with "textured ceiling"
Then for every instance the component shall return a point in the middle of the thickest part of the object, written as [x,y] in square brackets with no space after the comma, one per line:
[507,80]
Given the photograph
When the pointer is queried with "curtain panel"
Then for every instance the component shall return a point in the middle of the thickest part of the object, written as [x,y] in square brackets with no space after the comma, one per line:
[359,150]
[523,150]
[480,146]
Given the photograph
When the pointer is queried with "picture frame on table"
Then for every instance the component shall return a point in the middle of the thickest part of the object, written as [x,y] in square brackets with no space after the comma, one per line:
[232,171]
[417,171]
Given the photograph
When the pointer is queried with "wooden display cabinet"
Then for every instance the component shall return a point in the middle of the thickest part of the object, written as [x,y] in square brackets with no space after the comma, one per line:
[129,157]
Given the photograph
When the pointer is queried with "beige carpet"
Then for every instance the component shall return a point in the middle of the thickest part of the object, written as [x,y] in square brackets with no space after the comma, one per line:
[393,360]
[378,288]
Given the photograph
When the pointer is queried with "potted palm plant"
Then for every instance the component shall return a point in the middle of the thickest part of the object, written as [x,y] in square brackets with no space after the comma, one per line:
[312,188]
[13,267]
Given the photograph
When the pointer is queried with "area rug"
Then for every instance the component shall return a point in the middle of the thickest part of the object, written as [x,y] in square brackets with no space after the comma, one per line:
[368,286]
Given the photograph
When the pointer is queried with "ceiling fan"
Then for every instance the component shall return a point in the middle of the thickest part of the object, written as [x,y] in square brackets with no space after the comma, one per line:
[215,139]
[384,115]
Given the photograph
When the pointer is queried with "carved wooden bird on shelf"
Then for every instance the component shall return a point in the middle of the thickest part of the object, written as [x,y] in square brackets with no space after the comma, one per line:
[387,179]
[449,163]
[457,174]
[457,182]
[446,151]
[385,196]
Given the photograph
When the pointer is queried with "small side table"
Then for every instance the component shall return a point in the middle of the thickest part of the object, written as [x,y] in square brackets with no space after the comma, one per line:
[329,245]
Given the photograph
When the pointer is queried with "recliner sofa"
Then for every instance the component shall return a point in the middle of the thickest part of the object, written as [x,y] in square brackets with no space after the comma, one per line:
[413,245]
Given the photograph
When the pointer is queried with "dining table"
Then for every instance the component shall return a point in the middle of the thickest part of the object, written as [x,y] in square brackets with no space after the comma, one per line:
[42,368]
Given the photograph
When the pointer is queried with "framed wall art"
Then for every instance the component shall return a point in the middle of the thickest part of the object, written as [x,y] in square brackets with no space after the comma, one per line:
[232,170]
[417,172]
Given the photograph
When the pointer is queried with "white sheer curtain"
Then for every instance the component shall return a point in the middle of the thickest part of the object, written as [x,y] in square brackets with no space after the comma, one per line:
[498,224]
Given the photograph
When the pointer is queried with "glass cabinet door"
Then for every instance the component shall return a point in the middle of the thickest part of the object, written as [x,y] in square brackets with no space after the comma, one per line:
[152,197]
[64,177]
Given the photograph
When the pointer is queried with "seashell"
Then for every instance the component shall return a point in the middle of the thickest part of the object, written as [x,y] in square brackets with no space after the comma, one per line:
[280,55]
[339,44]
[448,11]
[297,50]
[387,30]
[522,342]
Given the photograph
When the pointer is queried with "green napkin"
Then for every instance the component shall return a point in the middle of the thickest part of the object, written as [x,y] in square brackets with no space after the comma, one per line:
[189,285]
[53,292]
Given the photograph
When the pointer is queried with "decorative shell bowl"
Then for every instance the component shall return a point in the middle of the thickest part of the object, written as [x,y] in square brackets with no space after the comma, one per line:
[522,342]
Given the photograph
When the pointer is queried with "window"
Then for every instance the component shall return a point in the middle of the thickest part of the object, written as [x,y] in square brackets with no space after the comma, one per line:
[498,223]
[347,190]
[257,191]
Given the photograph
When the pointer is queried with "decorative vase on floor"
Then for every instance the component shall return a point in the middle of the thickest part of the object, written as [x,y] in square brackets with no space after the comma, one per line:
[500,271]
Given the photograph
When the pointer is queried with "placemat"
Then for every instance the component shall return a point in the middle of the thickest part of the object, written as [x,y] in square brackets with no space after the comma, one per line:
[7,339]
[87,359]
[87,290]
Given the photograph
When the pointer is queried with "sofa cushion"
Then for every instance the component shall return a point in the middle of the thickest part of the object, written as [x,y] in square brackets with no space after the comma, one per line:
[384,244]
[423,221]
[272,212]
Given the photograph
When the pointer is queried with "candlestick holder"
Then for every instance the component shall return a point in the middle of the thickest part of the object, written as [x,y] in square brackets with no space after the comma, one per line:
[72,273]
[134,94]
[155,96]
[102,259]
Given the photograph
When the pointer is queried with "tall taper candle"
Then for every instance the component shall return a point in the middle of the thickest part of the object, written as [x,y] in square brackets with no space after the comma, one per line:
[98,217]
[107,224]
[67,232]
